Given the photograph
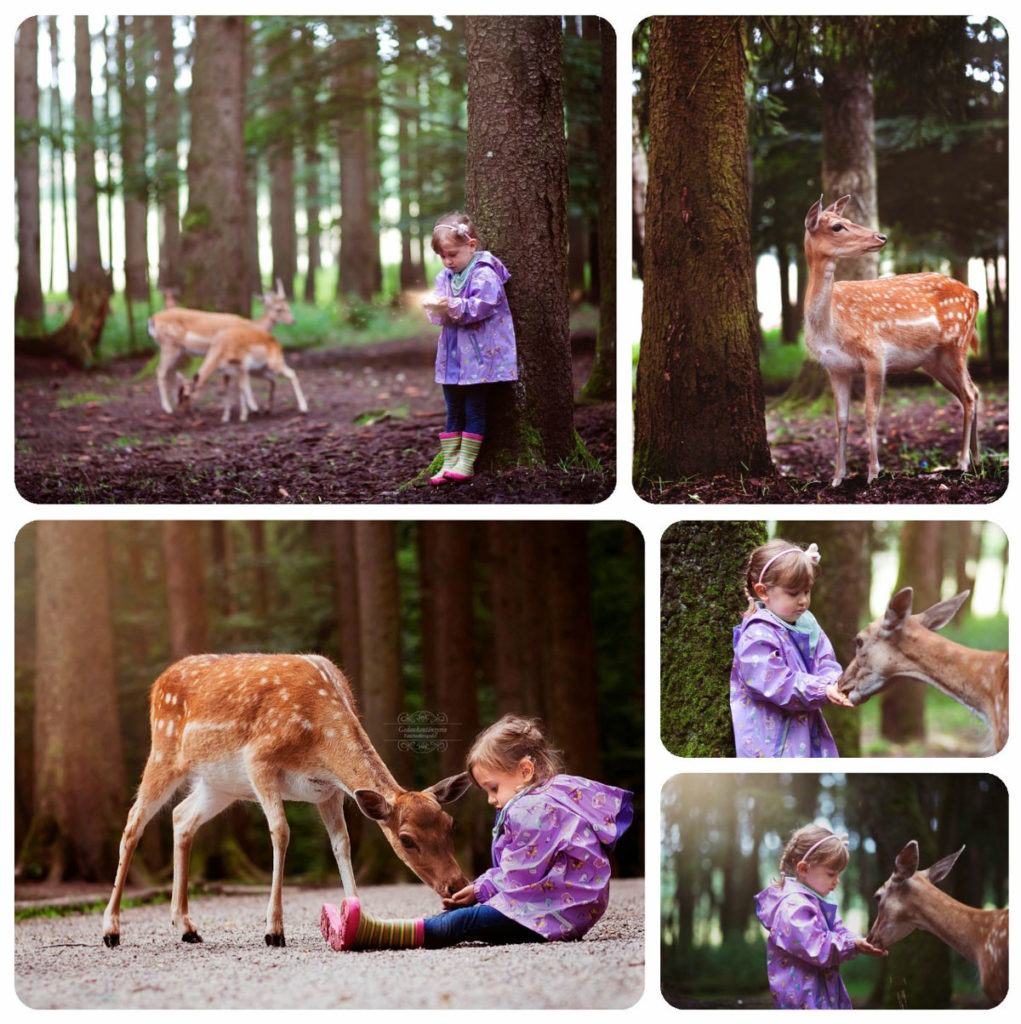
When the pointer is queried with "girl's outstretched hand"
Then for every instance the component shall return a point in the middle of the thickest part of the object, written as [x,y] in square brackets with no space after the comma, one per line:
[462,898]
[864,946]
[834,696]
[435,303]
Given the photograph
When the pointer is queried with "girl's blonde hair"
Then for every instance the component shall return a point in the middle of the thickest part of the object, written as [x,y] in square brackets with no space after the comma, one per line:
[779,563]
[814,844]
[454,223]
[508,741]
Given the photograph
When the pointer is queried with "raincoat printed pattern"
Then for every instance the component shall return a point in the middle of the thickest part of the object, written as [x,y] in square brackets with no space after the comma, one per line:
[807,942]
[777,687]
[477,344]
[550,845]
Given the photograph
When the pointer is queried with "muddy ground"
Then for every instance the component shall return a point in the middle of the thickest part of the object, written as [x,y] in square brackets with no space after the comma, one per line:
[100,437]
[920,435]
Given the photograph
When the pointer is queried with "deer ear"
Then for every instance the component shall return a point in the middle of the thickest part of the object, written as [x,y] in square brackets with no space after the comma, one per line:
[940,614]
[938,871]
[812,217]
[898,610]
[906,863]
[838,206]
[448,790]
[372,804]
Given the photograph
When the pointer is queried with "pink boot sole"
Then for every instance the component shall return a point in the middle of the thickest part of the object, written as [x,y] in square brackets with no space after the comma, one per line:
[339,924]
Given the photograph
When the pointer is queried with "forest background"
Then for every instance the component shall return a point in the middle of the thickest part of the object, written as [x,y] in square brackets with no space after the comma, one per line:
[435,623]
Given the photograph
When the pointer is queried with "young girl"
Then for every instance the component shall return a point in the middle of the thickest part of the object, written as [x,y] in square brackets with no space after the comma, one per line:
[784,668]
[477,346]
[550,878]
[807,940]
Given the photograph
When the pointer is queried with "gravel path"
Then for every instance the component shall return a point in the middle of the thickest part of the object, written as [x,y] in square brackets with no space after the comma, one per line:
[61,962]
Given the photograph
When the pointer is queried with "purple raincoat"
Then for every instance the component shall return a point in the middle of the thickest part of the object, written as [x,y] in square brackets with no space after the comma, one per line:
[777,687]
[477,344]
[807,942]
[550,845]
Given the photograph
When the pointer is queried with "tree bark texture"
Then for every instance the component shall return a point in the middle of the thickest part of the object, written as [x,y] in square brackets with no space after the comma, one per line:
[184,563]
[133,67]
[283,207]
[516,194]
[28,303]
[703,565]
[79,767]
[214,241]
[700,407]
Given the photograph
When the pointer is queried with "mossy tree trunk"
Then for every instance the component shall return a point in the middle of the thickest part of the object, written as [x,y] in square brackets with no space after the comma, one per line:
[702,572]
[700,407]
[516,194]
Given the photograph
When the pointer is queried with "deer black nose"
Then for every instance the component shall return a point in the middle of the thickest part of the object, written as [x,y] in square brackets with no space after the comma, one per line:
[882,238]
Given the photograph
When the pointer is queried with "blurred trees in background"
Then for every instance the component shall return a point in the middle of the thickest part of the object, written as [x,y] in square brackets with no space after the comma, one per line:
[453,622]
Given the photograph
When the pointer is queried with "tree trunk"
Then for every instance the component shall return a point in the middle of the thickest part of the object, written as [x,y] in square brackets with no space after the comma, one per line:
[448,661]
[184,566]
[703,564]
[282,206]
[700,407]
[516,193]
[345,575]
[28,303]
[79,786]
[131,80]
[902,712]
[214,242]
[601,385]
[88,270]
[167,130]
[357,238]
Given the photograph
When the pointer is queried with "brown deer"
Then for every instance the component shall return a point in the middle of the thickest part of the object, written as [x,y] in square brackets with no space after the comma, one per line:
[241,352]
[909,899]
[904,646]
[890,325]
[180,332]
[271,727]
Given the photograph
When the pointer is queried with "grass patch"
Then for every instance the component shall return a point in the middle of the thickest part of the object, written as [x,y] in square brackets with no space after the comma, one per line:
[84,398]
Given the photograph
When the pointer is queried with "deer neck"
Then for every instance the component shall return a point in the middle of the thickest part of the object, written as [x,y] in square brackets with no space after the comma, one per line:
[960,672]
[962,928]
[819,296]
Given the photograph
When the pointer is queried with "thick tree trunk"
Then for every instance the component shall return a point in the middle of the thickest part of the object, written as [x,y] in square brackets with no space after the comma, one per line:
[345,576]
[282,210]
[703,564]
[700,408]
[131,38]
[516,193]
[184,565]
[28,304]
[79,768]
[214,242]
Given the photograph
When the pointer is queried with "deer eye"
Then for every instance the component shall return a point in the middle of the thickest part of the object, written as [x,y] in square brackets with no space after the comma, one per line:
[859,642]
[408,843]
[838,227]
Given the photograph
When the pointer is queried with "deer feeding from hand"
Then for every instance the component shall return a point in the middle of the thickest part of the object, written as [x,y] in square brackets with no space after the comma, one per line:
[893,324]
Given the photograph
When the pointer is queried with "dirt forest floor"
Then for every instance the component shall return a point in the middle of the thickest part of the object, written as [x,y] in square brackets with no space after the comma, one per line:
[920,434]
[101,437]
[61,962]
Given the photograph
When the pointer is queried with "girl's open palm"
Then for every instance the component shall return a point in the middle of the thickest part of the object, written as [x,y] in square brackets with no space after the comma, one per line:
[462,898]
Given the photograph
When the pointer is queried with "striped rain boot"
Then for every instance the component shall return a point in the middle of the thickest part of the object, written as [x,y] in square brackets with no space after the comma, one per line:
[349,927]
[465,468]
[450,446]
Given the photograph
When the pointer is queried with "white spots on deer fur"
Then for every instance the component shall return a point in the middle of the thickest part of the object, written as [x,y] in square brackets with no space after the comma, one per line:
[322,693]
[329,733]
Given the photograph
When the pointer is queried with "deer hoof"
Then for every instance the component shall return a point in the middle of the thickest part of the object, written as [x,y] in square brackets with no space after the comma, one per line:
[191,937]
[275,940]
[112,940]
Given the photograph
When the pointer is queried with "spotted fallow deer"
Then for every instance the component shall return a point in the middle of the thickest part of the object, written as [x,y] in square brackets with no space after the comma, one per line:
[241,352]
[270,728]
[904,646]
[180,332]
[890,325]
[909,899]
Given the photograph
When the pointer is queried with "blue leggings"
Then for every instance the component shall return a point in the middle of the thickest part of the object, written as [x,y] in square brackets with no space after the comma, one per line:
[477,923]
[466,407]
